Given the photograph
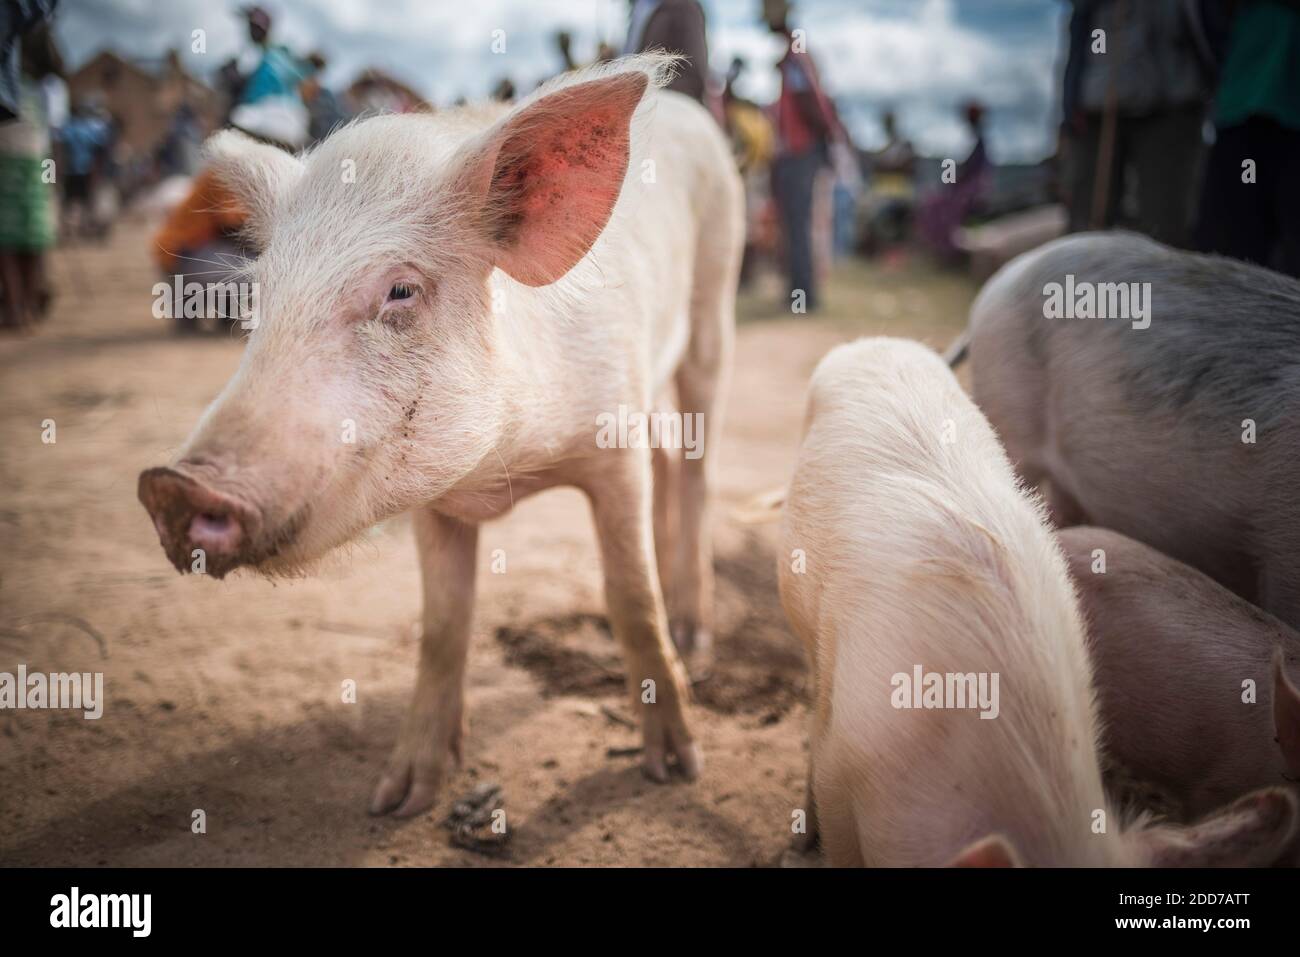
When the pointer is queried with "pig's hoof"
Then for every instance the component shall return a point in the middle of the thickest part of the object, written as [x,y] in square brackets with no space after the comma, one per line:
[663,747]
[405,790]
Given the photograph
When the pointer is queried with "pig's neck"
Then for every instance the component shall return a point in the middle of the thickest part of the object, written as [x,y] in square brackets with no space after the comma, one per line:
[553,378]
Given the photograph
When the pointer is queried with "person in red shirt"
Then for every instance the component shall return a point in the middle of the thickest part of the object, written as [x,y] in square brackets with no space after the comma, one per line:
[805,126]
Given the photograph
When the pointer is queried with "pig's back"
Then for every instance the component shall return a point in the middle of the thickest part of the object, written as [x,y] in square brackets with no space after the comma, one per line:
[681,213]
[926,553]
[1121,417]
[1221,331]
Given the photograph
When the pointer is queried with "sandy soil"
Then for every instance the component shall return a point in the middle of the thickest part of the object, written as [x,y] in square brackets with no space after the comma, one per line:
[226,696]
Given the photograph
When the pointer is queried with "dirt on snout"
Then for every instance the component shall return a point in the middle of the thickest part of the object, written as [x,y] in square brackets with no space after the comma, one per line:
[228,734]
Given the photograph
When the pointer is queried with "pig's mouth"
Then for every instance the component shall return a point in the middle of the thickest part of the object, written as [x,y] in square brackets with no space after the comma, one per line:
[206,531]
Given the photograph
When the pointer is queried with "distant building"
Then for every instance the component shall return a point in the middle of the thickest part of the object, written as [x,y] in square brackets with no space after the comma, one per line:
[143,95]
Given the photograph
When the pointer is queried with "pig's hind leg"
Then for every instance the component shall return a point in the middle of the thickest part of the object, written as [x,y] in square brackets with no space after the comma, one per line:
[622,509]
[429,743]
[702,380]
[667,511]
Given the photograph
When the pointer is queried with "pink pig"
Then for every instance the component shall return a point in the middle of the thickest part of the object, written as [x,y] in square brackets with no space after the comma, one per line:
[910,551]
[449,303]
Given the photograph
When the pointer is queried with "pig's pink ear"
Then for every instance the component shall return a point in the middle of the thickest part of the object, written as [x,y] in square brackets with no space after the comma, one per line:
[1254,831]
[1286,714]
[991,851]
[258,174]
[549,174]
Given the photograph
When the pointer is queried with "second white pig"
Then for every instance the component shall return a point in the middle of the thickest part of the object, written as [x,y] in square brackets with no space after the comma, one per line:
[909,547]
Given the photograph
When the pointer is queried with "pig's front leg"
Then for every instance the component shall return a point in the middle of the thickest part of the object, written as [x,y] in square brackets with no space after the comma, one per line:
[429,743]
[621,507]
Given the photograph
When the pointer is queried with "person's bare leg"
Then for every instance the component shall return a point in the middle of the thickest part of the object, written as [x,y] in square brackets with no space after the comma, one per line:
[11,279]
[38,290]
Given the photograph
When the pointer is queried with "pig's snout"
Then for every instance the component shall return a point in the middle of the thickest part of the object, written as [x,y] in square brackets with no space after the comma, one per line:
[190,516]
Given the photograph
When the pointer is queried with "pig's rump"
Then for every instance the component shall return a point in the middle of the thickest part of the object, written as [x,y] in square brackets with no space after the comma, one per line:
[1140,429]
[924,553]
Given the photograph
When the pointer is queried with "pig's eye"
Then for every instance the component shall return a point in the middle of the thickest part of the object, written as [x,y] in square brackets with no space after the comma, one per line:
[400,291]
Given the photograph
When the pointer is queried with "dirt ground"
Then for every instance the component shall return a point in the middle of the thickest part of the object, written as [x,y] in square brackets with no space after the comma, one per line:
[226,696]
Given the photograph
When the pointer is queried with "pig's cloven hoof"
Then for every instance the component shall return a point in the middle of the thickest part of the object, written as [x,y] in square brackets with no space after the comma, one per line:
[666,739]
[401,793]
[413,777]
[690,759]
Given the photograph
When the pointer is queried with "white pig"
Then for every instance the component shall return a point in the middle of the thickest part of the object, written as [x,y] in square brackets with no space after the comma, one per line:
[1171,650]
[1155,392]
[449,305]
[909,546]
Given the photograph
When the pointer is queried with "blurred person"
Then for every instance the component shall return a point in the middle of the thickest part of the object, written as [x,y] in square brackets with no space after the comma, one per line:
[945,208]
[1256,118]
[178,154]
[753,143]
[1135,111]
[106,192]
[892,193]
[677,26]
[17,19]
[504,91]
[805,126]
[272,84]
[846,188]
[325,112]
[83,140]
[753,137]
[229,83]
[278,72]
[564,44]
[26,216]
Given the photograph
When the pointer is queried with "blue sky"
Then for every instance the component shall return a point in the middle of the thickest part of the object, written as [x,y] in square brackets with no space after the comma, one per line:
[920,57]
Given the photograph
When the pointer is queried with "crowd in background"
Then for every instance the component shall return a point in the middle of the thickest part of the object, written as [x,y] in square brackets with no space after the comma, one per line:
[1179,119]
